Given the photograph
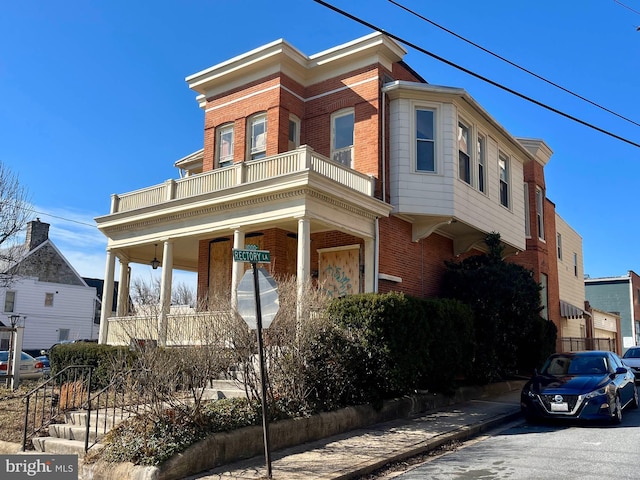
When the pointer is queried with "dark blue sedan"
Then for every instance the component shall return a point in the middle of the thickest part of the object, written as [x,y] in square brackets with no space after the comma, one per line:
[590,385]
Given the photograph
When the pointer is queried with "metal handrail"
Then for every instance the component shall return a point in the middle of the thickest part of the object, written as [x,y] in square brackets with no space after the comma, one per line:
[48,402]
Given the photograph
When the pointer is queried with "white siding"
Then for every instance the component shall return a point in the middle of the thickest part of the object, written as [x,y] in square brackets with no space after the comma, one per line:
[571,286]
[73,308]
[443,193]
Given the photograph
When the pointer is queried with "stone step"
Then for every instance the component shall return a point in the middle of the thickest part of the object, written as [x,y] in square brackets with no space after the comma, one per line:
[225,389]
[111,419]
[61,446]
[70,432]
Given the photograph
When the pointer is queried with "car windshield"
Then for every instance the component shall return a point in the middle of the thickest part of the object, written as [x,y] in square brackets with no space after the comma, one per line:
[576,365]
[632,353]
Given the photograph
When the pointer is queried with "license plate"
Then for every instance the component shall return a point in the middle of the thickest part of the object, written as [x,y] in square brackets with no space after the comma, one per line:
[560,407]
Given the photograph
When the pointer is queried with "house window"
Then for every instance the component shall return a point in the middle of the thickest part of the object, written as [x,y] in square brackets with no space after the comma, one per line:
[503,164]
[575,264]
[63,334]
[224,140]
[258,136]
[9,301]
[559,246]
[294,132]
[540,212]
[464,161]
[544,296]
[48,299]
[342,125]
[527,211]
[482,164]
[425,141]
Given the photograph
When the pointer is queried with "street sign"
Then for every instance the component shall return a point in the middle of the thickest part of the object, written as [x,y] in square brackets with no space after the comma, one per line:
[269,304]
[251,256]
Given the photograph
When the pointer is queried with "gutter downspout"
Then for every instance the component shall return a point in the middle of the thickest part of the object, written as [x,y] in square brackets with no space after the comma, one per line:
[384,156]
[376,249]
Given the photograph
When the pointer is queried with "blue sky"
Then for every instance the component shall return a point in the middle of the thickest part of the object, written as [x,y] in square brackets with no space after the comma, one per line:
[93,99]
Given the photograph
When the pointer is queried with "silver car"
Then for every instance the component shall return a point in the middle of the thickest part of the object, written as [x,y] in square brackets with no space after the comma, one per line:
[30,368]
[631,359]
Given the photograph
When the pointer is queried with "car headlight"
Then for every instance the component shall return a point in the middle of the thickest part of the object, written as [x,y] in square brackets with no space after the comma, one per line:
[596,393]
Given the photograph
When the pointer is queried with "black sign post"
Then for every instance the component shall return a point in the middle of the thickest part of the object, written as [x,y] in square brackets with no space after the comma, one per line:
[263,379]
[254,257]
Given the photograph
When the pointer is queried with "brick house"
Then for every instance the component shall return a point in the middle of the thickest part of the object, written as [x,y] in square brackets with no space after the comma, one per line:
[346,165]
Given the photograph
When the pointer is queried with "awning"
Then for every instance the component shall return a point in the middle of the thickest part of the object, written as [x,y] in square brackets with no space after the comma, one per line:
[570,311]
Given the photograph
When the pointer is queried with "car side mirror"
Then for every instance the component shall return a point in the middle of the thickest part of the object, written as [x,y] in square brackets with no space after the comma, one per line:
[621,371]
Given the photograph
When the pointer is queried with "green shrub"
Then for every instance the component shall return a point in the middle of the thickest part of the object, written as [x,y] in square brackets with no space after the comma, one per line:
[105,359]
[148,440]
[388,333]
[451,344]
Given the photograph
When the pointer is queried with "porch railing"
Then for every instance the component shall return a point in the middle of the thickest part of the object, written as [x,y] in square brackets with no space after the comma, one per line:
[302,159]
[575,344]
[202,328]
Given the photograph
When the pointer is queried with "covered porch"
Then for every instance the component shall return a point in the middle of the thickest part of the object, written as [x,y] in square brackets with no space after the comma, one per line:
[307,210]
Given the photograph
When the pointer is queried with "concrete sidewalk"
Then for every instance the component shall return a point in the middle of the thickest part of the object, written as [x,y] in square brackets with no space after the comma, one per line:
[363,451]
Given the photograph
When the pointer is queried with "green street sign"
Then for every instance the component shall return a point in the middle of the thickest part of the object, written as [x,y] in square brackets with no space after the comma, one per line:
[251,256]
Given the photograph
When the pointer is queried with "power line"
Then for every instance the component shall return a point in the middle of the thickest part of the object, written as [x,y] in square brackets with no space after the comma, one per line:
[627,7]
[476,75]
[60,218]
[539,77]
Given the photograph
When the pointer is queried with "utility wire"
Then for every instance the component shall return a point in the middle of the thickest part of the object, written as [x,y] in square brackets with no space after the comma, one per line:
[539,77]
[476,75]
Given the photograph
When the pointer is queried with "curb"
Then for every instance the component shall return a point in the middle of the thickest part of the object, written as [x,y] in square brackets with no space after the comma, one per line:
[464,433]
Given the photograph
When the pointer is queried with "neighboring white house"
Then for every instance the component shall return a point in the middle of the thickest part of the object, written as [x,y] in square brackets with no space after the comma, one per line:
[45,294]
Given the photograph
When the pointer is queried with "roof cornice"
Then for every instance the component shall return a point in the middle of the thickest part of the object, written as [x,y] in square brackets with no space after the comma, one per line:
[280,56]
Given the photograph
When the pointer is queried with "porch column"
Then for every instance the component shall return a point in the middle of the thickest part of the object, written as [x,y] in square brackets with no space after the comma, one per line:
[237,268]
[304,264]
[123,288]
[369,265]
[165,291]
[107,297]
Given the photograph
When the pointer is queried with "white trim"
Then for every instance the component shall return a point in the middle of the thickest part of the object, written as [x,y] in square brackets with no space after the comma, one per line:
[315,97]
[337,249]
[341,89]
[438,136]
[391,278]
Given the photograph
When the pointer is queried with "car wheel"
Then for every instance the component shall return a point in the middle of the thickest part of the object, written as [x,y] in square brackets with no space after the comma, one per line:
[634,400]
[617,411]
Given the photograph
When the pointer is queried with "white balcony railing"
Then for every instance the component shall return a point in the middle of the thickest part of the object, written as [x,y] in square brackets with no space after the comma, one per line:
[302,159]
[204,328]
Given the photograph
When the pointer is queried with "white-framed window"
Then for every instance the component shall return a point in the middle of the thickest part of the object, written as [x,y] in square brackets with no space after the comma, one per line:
[544,296]
[342,127]
[559,241]
[257,136]
[527,212]
[503,167]
[224,148]
[481,152]
[464,157]
[425,140]
[63,334]
[575,264]
[48,299]
[9,301]
[540,212]
[294,132]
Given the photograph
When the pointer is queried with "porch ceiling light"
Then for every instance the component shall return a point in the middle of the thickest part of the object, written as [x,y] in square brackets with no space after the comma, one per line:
[155,263]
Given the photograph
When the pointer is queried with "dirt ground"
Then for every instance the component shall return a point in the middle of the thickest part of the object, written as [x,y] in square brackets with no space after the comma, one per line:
[12,411]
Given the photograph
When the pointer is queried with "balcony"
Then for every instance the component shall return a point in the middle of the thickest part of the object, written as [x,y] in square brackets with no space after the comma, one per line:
[303,159]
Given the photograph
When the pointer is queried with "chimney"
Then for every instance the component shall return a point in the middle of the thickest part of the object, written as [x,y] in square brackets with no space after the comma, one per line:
[37,233]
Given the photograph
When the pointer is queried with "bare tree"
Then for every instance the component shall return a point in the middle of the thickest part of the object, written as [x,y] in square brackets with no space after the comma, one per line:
[14,214]
[183,294]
